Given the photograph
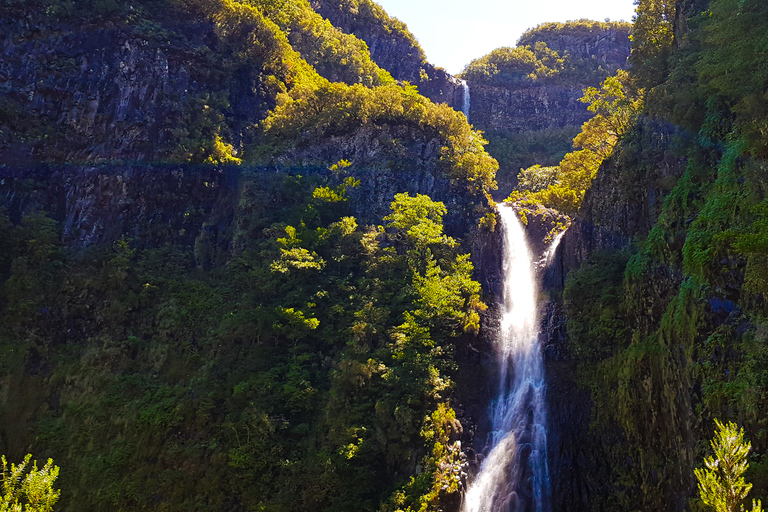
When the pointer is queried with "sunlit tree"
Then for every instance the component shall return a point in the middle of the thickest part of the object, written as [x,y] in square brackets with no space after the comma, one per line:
[721,481]
[28,491]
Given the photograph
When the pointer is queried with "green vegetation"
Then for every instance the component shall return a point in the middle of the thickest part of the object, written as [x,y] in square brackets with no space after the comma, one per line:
[544,55]
[305,115]
[30,491]
[260,74]
[313,371]
[563,187]
[510,66]
[552,56]
[721,482]
[362,17]
[553,33]
[669,332]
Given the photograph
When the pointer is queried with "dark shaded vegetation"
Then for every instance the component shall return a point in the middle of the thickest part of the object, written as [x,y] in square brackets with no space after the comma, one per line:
[670,333]
[311,372]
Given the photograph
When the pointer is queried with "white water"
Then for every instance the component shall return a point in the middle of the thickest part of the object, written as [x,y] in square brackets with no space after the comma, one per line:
[549,254]
[514,477]
[466,100]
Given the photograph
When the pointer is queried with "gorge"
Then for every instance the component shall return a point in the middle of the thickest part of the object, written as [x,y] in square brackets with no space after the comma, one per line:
[254,256]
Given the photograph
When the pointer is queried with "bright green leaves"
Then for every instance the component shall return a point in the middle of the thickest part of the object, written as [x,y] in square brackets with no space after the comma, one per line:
[509,66]
[419,219]
[334,195]
[614,105]
[450,296]
[721,481]
[563,187]
[293,256]
[536,178]
[297,258]
[306,115]
[30,492]
[293,324]
[444,286]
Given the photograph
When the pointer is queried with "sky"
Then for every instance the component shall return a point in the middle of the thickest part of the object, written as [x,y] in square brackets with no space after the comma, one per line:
[453,32]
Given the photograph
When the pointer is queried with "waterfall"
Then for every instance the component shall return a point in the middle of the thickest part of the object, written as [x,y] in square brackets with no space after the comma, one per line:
[466,101]
[514,477]
[549,254]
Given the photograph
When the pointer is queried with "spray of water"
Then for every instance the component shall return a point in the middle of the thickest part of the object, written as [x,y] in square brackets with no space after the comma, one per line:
[514,476]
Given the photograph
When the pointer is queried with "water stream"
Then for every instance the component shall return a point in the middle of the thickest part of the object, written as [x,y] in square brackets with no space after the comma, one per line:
[466,100]
[514,476]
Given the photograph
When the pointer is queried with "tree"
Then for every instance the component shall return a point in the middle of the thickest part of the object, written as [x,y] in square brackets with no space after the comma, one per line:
[419,219]
[616,105]
[653,34]
[32,492]
[721,481]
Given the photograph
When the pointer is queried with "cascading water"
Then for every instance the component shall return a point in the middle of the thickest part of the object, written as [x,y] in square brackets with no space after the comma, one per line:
[466,100]
[514,477]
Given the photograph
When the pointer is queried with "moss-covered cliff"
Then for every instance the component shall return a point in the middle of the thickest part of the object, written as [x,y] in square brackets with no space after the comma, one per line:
[664,300]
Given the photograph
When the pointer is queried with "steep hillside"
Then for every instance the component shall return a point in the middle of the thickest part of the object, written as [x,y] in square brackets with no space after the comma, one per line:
[664,302]
[232,260]
[393,47]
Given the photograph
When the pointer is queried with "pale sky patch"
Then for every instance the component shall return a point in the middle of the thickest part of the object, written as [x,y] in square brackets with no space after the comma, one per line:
[453,32]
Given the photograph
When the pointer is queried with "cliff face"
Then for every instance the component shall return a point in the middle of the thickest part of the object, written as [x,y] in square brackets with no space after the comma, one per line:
[177,205]
[530,113]
[110,93]
[523,109]
[662,317]
[528,105]
[607,44]
[623,205]
[626,198]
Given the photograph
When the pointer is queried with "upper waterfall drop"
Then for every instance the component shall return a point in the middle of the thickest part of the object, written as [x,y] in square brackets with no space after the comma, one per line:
[515,474]
[466,100]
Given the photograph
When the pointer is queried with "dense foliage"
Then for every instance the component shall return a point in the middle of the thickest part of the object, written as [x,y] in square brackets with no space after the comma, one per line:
[218,72]
[312,372]
[285,356]
[557,59]
[552,53]
[674,335]
[721,484]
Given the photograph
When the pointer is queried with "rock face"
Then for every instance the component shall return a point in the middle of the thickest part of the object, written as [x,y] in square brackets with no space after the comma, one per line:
[526,108]
[105,93]
[624,202]
[531,105]
[532,119]
[608,45]
[179,204]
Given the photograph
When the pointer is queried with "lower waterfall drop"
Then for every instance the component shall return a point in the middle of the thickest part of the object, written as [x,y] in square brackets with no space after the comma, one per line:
[514,477]
[466,100]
